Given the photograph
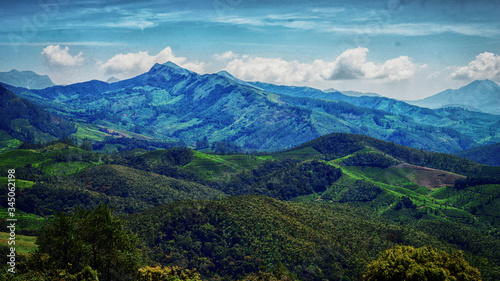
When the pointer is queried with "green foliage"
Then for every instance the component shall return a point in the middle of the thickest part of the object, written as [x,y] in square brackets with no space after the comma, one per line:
[369,159]
[405,202]
[174,273]
[28,122]
[24,244]
[488,154]
[426,263]
[88,238]
[7,142]
[240,235]
[339,145]
[474,181]
[284,179]
[126,189]
[360,191]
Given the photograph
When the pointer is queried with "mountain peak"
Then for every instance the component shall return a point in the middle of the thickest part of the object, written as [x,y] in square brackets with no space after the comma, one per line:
[480,94]
[229,76]
[112,80]
[170,67]
[479,87]
[225,74]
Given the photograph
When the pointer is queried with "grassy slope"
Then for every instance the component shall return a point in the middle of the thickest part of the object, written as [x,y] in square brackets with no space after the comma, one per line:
[43,159]
[7,142]
[89,131]
[217,167]
[24,244]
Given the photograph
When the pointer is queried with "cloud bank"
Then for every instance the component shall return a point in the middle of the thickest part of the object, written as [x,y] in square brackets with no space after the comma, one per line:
[485,66]
[133,64]
[55,56]
[351,64]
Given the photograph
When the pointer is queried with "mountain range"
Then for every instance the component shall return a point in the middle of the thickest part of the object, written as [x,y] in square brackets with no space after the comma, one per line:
[25,79]
[173,103]
[480,95]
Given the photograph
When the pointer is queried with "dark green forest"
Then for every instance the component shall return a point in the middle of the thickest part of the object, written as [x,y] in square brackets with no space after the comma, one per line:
[330,209]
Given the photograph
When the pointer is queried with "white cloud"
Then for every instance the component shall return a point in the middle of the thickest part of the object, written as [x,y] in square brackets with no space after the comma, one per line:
[270,70]
[485,66]
[225,56]
[132,64]
[56,56]
[351,64]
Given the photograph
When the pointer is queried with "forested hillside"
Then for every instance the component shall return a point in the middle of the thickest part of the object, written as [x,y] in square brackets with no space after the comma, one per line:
[322,210]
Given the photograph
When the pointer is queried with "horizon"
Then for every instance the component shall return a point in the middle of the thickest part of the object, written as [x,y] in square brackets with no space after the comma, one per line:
[222,71]
[406,50]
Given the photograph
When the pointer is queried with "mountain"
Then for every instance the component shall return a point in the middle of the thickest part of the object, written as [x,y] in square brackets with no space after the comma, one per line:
[112,80]
[417,123]
[26,79]
[173,103]
[27,122]
[487,154]
[353,93]
[480,95]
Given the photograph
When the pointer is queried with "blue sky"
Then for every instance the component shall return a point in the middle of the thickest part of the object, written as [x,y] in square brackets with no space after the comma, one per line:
[405,49]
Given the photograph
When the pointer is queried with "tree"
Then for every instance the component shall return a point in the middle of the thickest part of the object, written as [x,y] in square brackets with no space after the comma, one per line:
[89,238]
[174,273]
[426,263]
[202,143]
[87,144]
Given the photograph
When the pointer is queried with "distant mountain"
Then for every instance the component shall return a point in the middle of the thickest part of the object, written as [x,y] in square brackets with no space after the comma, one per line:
[28,122]
[420,126]
[170,102]
[487,154]
[480,95]
[26,79]
[295,91]
[353,93]
[112,80]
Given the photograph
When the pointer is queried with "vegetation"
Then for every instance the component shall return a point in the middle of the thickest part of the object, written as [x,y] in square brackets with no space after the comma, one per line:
[488,154]
[323,210]
[87,239]
[339,145]
[426,263]
[28,122]
[369,160]
[175,273]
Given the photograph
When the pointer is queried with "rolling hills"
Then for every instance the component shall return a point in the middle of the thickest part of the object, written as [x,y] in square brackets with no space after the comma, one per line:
[329,205]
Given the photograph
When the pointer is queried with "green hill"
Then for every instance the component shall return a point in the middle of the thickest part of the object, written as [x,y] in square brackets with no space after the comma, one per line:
[28,122]
[232,237]
[126,189]
[323,210]
[339,145]
[487,154]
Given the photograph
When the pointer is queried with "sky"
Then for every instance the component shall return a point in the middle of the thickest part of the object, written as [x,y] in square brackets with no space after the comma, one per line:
[403,49]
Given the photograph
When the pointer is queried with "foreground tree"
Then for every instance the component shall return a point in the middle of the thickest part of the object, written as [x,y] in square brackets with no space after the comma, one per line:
[426,263]
[158,273]
[94,239]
